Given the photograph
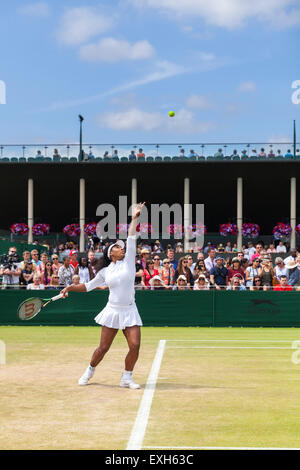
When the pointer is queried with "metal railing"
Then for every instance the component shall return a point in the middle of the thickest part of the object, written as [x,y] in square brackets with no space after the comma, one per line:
[116,152]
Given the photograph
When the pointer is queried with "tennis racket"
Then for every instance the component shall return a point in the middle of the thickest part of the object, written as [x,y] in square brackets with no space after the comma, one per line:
[31,307]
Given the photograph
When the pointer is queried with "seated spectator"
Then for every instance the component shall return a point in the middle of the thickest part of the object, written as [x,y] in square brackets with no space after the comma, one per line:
[271,248]
[266,274]
[37,283]
[83,271]
[294,272]
[44,260]
[234,248]
[139,271]
[157,263]
[66,272]
[201,283]
[38,154]
[27,273]
[200,257]
[171,257]
[219,153]
[73,260]
[54,283]
[292,257]
[144,257]
[192,154]
[281,248]
[167,273]
[55,263]
[157,248]
[26,258]
[257,284]
[235,154]
[236,284]
[132,155]
[228,248]
[244,264]
[207,248]
[190,263]
[92,264]
[257,254]
[227,262]
[181,153]
[288,154]
[183,270]
[271,153]
[279,153]
[148,273]
[220,248]
[218,274]
[181,283]
[115,155]
[210,261]
[283,284]
[156,283]
[262,153]
[236,270]
[243,153]
[280,269]
[10,269]
[47,274]
[76,280]
[106,154]
[179,248]
[140,154]
[35,258]
[254,153]
[90,155]
[56,155]
[252,271]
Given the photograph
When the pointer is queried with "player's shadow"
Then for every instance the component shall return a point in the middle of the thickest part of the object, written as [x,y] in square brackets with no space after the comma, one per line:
[163,386]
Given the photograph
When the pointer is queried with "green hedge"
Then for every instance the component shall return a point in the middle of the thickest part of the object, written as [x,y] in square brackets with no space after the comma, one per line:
[165,308]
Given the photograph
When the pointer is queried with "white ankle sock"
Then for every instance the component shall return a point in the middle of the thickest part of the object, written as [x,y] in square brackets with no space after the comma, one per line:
[127,374]
[91,368]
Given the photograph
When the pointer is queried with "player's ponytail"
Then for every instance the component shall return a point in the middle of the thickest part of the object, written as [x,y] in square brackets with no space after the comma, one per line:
[102,262]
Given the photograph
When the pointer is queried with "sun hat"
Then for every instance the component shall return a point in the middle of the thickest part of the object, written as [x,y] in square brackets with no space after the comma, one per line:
[118,242]
[181,278]
[156,277]
[291,264]
[219,257]
[144,250]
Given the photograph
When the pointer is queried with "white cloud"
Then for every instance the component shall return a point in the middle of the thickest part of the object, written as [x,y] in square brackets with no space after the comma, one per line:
[135,119]
[114,50]
[229,13]
[247,87]
[39,9]
[78,25]
[198,102]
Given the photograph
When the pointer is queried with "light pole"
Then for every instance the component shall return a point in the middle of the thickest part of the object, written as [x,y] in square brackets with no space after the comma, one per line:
[80,158]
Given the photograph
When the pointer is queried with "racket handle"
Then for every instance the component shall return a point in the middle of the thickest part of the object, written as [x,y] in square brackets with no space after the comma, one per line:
[56,297]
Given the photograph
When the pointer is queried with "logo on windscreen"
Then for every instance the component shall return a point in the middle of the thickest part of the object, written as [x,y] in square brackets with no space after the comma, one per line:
[262,306]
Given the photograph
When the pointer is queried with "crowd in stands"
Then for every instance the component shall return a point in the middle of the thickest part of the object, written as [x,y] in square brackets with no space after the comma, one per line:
[259,267]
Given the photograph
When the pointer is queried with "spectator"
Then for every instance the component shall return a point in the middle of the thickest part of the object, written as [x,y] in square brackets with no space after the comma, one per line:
[257,284]
[157,248]
[83,271]
[148,273]
[140,154]
[66,272]
[91,156]
[234,248]
[262,153]
[228,248]
[207,248]
[294,272]
[244,264]
[139,271]
[156,283]
[47,274]
[200,257]
[271,153]
[251,249]
[219,153]
[181,283]
[26,258]
[37,283]
[281,248]
[280,269]
[106,154]
[288,154]
[221,248]
[76,280]
[227,262]
[192,154]
[210,261]
[10,268]
[35,258]
[271,248]
[236,270]
[235,284]
[55,263]
[92,264]
[190,263]
[266,274]
[73,260]
[132,155]
[56,155]
[182,269]
[292,257]
[181,153]
[167,273]
[240,256]
[157,264]
[145,256]
[257,254]
[27,273]
[115,155]
[279,153]
[171,257]
[252,271]
[201,283]
[283,284]
[218,274]
[39,154]
[179,248]
[54,283]
[235,154]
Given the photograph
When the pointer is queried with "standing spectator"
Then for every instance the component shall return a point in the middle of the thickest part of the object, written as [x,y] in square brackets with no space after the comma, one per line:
[281,248]
[182,269]
[37,283]
[252,271]
[171,257]
[167,273]
[283,284]
[83,271]
[266,274]
[148,273]
[10,269]
[55,263]
[210,261]
[218,274]
[280,269]
[66,272]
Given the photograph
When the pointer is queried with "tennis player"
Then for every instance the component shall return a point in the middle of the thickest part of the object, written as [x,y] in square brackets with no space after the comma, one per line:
[117,273]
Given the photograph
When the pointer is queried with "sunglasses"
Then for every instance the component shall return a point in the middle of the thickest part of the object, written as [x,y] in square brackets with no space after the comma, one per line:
[166,262]
[156,259]
[184,261]
[54,258]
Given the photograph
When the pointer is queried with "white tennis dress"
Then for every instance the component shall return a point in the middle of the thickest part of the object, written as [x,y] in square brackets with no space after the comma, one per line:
[120,310]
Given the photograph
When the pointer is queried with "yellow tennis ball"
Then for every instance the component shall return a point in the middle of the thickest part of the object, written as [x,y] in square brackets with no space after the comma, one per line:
[171,114]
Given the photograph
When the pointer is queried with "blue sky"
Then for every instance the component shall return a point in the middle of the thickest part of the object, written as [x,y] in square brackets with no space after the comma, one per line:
[225,68]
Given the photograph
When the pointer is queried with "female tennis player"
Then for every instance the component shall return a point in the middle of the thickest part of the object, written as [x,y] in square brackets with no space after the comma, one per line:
[117,272]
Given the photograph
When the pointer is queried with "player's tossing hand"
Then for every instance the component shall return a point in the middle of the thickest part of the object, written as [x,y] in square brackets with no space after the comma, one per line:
[138,209]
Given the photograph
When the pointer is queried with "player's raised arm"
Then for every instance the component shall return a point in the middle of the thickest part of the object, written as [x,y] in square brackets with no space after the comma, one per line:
[136,213]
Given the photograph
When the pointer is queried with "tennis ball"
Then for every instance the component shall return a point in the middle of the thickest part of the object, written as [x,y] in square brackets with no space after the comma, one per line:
[171,114]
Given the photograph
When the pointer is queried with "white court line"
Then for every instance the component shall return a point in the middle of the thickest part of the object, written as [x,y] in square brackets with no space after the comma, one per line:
[238,340]
[228,347]
[221,448]
[139,428]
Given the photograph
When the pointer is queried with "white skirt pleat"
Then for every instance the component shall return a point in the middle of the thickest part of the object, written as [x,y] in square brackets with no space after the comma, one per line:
[119,317]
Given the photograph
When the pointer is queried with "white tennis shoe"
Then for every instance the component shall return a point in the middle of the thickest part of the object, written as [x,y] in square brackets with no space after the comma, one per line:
[129,383]
[86,376]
